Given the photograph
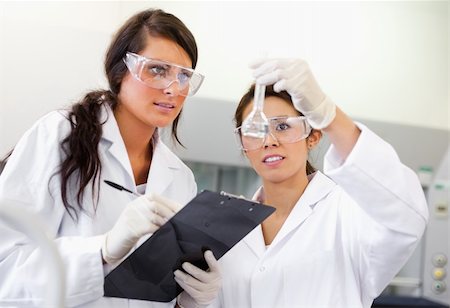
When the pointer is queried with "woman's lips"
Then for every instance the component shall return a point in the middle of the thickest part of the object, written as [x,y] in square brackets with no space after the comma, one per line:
[165,107]
[272,160]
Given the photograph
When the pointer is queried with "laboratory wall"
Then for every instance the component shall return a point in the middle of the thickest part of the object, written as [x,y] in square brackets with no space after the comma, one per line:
[382,61]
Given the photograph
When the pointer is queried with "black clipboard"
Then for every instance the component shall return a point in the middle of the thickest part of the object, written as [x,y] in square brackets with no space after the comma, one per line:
[214,221]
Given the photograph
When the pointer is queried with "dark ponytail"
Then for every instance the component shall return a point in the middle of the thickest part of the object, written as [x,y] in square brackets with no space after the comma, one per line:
[80,147]
[81,165]
[4,160]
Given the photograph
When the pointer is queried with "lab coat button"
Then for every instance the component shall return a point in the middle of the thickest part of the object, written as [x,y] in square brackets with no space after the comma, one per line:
[439,273]
[262,269]
[439,260]
[438,287]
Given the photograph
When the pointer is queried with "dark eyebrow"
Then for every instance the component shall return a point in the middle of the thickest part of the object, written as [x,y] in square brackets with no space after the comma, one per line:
[279,116]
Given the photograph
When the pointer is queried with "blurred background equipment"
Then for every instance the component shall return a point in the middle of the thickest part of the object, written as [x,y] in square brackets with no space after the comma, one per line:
[436,281]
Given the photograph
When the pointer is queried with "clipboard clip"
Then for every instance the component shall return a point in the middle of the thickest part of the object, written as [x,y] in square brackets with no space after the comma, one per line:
[223,193]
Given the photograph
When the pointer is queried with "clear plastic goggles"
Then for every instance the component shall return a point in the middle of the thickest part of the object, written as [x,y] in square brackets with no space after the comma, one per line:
[160,75]
[283,129]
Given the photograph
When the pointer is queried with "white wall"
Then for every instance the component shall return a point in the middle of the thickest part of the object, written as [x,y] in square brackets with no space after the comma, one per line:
[385,61]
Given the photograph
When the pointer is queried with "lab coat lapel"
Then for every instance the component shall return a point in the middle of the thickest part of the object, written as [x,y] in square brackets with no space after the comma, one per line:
[255,241]
[162,169]
[117,148]
[317,189]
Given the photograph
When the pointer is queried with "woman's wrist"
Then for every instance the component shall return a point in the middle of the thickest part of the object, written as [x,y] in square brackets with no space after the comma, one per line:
[177,302]
[177,305]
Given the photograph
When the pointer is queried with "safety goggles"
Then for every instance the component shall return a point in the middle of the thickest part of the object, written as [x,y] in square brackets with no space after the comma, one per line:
[283,129]
[160,75]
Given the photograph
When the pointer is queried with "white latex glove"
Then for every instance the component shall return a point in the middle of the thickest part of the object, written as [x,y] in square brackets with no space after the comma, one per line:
[295,77]
[141,216]
[200,287]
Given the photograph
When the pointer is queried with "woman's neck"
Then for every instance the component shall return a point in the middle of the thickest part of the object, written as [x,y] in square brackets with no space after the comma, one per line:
[283,196]
[135,134]
[137,137]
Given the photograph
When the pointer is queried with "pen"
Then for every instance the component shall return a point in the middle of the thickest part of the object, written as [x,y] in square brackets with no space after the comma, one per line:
[120,187]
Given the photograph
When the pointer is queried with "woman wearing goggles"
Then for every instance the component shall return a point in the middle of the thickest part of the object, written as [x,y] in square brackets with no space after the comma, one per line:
[110,135]
[336,238]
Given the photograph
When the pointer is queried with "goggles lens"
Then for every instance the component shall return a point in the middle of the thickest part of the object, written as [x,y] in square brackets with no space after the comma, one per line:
[283,129]
[160,75]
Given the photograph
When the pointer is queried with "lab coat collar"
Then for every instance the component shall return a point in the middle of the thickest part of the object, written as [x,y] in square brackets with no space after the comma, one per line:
[318,188]
[111,134]
[164,162]
[110,128]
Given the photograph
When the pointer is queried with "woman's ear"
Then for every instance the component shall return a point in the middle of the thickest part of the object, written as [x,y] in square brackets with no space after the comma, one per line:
[313,138]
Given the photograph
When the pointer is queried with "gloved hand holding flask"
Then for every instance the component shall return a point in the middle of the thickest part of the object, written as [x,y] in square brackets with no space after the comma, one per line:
[295,77]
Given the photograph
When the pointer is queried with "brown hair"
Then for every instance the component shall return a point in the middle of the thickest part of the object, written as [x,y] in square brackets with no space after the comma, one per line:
[82,160]
[247,98]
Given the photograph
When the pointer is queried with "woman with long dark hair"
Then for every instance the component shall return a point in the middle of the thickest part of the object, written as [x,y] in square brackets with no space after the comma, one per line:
[57,170]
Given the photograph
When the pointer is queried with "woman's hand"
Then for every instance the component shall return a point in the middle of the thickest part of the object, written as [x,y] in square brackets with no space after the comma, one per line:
[200,287]
[141,216]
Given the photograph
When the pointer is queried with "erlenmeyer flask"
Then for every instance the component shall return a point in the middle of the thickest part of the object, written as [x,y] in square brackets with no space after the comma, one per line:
[256,124]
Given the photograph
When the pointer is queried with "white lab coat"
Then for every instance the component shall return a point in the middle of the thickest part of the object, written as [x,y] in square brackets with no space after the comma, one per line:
[345,239]
[25,180]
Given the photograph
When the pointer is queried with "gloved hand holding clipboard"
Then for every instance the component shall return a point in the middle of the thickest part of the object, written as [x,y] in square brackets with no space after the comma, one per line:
[211,221]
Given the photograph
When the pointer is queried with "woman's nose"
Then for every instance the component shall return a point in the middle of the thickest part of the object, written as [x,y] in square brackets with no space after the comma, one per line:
[173,88]
[270,140]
